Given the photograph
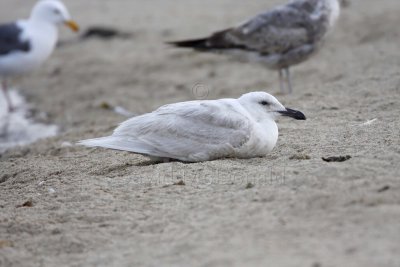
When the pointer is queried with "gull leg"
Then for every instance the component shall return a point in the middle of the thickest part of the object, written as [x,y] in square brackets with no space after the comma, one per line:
[7,96]
[288,80]
[281,81]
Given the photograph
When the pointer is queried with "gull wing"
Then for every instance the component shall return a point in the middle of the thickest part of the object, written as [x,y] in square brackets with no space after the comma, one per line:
[277,31]
[188,131]
[10,39]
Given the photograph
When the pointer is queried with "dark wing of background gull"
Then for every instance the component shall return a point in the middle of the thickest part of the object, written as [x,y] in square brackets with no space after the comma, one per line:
[10,39]
[273,32]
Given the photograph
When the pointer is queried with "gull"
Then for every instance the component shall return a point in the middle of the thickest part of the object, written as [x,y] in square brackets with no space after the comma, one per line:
[26,44]
[277,39]
[202,130]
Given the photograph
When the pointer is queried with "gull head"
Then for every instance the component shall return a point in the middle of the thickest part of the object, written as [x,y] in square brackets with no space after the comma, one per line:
[54,12]
[265,106]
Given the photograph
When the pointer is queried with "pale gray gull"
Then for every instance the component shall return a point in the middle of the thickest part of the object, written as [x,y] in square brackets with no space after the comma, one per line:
[26,44]
[278,39]
[202,130]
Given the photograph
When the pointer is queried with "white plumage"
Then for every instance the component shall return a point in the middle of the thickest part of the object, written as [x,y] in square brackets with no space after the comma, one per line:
[202,130]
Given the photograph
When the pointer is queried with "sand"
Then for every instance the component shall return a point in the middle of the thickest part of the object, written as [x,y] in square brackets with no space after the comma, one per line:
[63,205]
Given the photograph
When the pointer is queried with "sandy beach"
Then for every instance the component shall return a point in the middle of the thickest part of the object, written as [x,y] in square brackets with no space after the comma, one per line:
[65,205]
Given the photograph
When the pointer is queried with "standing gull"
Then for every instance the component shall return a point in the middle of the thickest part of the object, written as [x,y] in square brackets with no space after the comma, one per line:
[26,44]
[278,39]
[203,130]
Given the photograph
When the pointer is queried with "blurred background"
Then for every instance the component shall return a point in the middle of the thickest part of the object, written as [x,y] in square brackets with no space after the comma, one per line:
[324,215]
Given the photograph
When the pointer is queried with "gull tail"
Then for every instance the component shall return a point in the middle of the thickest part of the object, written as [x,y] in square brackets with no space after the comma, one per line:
[199,44]
[119,143]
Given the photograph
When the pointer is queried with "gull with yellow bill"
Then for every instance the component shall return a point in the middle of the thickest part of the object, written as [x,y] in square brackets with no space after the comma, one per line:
[26,44]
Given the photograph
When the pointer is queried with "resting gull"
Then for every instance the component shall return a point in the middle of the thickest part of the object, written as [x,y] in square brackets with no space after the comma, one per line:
[26,44]
[203,130]
[278,39]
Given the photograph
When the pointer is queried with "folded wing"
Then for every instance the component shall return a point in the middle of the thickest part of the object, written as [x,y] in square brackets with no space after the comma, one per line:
[10,39]
[277,31]
[189,131]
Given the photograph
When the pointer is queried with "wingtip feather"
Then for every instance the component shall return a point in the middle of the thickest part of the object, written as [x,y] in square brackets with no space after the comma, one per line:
[194,43]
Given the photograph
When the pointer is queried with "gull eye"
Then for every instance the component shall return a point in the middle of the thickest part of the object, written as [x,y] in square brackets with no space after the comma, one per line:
[56,11]
[265,103]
